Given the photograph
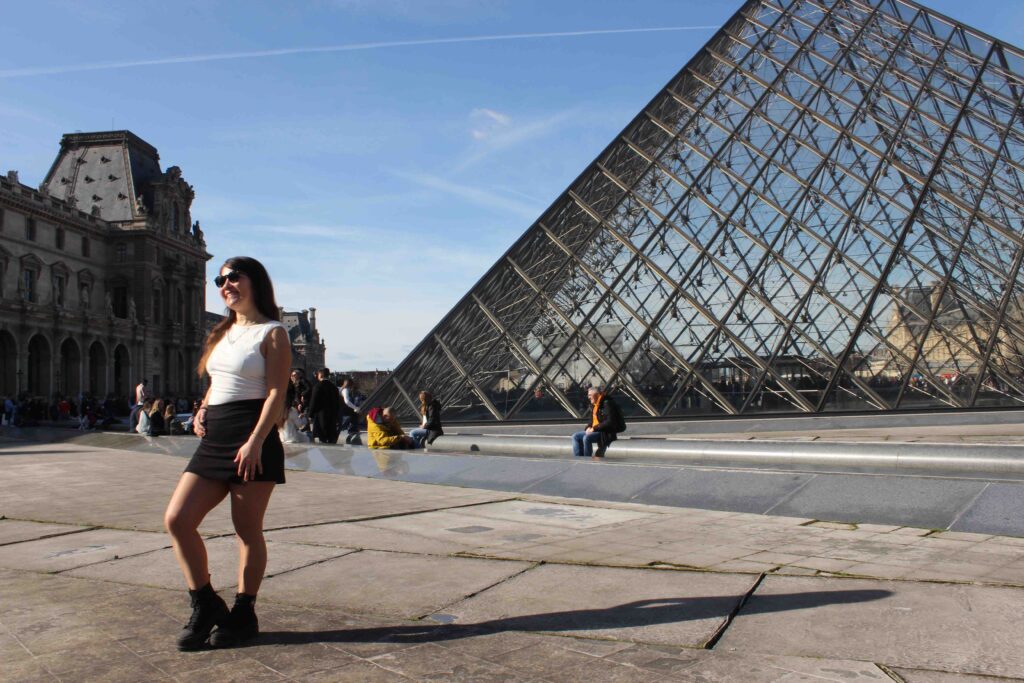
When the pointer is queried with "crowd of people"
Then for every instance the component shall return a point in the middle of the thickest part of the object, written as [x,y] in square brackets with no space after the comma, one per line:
[321,411]
[158,416]
[88,411]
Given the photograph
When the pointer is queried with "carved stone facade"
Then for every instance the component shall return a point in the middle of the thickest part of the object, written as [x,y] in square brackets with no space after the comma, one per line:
[102,274]
[309,351]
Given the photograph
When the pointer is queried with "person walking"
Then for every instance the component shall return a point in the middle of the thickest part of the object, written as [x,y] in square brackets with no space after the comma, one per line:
[323,408]
[430,421]
[606,422]
[247,356]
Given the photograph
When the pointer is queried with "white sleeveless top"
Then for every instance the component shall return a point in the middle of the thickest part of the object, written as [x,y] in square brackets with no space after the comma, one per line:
[237,369]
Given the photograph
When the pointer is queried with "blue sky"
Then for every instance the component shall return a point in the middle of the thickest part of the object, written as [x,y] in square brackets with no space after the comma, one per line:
[376,182]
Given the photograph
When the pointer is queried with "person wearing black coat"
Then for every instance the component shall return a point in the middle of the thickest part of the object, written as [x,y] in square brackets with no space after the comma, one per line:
[157,424]
[430,420]
[323,408]
[606,422]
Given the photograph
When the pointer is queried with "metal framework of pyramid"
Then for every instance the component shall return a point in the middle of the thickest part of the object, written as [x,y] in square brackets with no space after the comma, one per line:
[821,212]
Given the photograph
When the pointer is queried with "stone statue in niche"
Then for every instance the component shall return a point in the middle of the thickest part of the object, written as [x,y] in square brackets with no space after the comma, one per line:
[133,314]
[197,232]
[140,205]
[83,297]
[109,304]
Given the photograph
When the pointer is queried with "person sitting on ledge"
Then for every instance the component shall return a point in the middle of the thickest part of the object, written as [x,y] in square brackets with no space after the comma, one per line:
[606,422]
[143,425]
[430,421]
[383,430]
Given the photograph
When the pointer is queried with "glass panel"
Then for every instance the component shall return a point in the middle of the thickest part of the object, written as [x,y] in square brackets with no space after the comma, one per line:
[785,229]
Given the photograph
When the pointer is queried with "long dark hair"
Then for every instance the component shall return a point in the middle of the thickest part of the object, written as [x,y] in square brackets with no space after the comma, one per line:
[262,294]
[426,398]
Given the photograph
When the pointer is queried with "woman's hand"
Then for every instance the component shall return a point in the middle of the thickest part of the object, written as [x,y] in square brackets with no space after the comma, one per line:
[249,459]
[199,424]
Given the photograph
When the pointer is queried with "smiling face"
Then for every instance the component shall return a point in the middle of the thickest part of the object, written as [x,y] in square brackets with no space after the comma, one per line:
[237,295]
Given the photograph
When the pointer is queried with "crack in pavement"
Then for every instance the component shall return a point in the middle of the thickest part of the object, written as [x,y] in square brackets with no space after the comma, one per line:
[717,636]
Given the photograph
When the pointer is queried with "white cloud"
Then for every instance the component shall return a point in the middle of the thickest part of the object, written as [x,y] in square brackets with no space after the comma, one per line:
[475,195]
[497,135]
[23,72]
[486,123]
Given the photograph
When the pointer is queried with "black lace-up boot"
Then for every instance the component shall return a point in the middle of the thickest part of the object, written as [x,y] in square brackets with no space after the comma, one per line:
[241,624]
[208,609]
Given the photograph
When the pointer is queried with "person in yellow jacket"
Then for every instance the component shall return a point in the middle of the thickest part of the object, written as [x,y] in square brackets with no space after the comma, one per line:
[383,430]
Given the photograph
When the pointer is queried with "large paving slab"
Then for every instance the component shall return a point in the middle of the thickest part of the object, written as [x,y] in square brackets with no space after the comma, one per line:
[492,528]
[708,666]
[906,501]
[508,474]
[371,535]
[922,676]
[99,487]
[725,490]
[160,569]
[16,531]
[953,628]
[395,584]
[638,605]
[94,487]
[577,517]
[600,480]
[998,510]
[468,532]
[60,553]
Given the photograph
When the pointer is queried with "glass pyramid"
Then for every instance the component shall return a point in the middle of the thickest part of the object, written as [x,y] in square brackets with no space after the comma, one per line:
[821,212]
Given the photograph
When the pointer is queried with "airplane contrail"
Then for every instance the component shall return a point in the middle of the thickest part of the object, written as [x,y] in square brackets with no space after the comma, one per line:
[351,47]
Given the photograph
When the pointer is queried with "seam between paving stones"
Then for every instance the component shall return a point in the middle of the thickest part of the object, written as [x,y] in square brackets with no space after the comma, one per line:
[717,636]
[472,595]
[115,558]
[890,673]
[789,496]
[370,518]
[53,535]
[551,476]
[967,506]
[351,551]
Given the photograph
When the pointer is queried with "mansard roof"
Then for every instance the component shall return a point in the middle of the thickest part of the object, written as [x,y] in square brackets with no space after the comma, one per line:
[109,170]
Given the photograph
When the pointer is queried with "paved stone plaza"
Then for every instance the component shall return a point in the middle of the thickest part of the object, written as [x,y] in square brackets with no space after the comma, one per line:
[378,580]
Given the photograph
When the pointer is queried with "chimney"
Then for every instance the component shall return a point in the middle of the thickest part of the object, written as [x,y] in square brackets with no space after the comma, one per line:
[933,299]
[312,318]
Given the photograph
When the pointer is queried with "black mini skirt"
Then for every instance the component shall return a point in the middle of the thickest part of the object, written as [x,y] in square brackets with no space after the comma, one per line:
[228,427]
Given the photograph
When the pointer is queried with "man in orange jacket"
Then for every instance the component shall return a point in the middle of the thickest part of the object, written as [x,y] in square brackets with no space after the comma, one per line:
[606,422]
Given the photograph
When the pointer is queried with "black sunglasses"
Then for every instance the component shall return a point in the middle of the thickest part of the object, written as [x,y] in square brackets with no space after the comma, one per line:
[230,276]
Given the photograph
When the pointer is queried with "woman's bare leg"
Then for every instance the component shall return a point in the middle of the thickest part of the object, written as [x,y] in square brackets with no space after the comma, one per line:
[193,498]
[248,504]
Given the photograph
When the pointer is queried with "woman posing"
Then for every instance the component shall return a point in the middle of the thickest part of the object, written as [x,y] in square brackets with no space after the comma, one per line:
[247,356]
[430,420]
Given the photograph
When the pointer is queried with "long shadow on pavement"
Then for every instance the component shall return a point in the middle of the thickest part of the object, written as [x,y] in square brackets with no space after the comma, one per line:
[628,615]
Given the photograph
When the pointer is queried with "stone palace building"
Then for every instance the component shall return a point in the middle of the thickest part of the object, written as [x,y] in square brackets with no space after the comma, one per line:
[102,274]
